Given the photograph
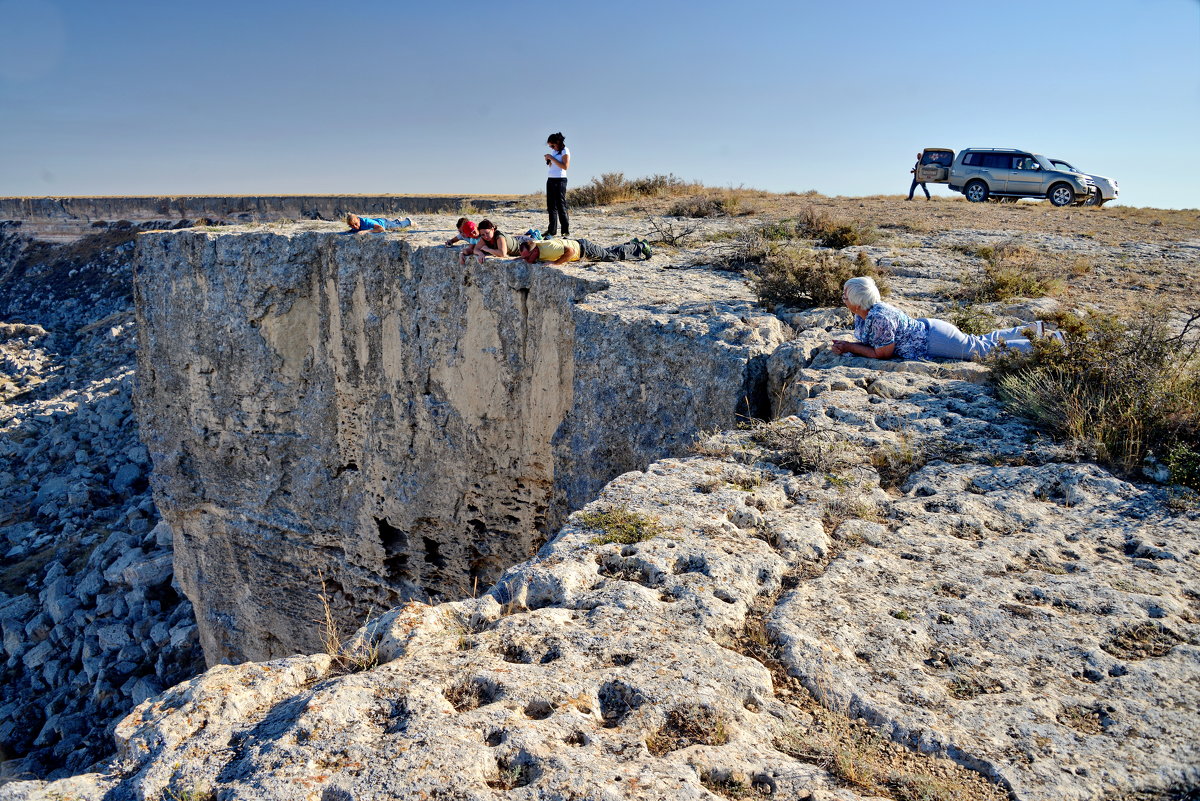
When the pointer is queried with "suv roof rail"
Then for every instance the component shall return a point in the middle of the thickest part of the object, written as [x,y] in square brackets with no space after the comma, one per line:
[999,149]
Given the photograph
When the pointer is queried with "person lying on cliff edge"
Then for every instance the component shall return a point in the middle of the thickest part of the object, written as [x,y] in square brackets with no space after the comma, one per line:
[467,232]
[363,225]
[560,251]
[493,242]
[883,331]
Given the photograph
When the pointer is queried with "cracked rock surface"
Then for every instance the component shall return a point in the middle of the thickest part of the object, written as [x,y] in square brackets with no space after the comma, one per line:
[1032,620]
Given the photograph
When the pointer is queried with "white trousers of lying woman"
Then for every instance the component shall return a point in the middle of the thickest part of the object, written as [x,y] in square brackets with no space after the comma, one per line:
[946,341]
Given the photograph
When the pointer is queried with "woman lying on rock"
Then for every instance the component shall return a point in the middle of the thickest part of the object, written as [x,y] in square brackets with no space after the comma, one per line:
[493,242]
[884,331]
[558,251]
[362,225]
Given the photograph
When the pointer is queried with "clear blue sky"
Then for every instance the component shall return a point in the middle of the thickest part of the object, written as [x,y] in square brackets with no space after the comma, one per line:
[302,97]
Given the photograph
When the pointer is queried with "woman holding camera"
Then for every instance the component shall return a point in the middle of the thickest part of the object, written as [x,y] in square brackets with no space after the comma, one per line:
[557,161]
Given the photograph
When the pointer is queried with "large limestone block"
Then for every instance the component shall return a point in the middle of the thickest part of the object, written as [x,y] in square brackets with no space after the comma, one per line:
[371,416]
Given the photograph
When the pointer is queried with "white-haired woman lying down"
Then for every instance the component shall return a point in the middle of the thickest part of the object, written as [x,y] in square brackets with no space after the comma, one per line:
[883,331]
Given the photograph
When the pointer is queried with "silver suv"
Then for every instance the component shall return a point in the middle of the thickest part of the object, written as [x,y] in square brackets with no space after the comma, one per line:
[1006,174]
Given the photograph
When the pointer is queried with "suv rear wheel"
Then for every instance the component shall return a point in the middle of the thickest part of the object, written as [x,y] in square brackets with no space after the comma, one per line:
[976,191]
[1061,195]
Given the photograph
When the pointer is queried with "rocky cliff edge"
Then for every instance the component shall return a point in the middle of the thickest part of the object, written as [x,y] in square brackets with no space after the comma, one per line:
[894,589]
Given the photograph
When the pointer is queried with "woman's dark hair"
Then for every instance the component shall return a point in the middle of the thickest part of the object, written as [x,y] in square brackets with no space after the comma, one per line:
[490,225]
[557,140]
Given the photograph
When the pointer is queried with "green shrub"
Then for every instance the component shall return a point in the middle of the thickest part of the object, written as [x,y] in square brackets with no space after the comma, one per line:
[1121,389]
[1184,464]
[802,277]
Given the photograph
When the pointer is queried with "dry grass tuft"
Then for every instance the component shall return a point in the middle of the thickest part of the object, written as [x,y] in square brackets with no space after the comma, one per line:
[355,655]
[620,525]
[695,724]
[1150,639]
[840,510]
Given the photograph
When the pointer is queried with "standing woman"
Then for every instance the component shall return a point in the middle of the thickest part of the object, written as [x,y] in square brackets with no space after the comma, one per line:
[557,160]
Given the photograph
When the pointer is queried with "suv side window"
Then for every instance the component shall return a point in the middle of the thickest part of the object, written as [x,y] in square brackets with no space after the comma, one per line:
[1028,163]
[972,160]
[998,161]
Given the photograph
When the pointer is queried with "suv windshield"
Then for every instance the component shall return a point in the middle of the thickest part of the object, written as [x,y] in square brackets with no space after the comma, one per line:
[1064,165]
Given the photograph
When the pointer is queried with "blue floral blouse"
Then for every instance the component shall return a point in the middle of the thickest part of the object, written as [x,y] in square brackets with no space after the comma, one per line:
[886,324]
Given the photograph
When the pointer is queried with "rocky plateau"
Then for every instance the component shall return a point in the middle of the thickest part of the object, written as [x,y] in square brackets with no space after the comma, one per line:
[848,579]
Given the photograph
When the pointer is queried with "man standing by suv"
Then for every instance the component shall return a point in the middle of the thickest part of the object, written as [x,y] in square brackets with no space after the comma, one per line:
[916,183]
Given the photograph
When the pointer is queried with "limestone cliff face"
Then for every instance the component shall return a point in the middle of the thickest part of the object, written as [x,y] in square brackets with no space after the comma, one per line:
[65,219]
[369,413]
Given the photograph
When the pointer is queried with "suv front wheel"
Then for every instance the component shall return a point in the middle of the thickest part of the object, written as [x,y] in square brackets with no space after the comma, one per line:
[1061,195]
[976,191]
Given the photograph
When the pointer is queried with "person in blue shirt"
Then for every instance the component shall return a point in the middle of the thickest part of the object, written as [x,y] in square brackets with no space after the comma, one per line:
[883,331]
[362,225]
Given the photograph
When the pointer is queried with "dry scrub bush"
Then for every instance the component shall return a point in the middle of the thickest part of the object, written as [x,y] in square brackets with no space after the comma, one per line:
[971,319]
[614,187]
[802,277]
[805,447]
[787,272]
[719,205]
[1122,389]
[834,232]
[1012,271]
[665,232]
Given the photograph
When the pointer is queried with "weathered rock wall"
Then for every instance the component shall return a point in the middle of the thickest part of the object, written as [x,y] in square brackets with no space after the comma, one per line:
[68,218]
[371,414]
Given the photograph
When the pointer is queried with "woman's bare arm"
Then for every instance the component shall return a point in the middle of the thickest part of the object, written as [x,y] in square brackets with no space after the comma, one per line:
[859,349]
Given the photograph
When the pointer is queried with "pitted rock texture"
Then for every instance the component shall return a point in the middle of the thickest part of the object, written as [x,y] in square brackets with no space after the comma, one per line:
[594,671]
[1033,620]
[364,411]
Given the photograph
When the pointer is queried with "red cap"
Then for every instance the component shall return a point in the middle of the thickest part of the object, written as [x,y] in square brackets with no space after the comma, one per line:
[531,255]
[469,228]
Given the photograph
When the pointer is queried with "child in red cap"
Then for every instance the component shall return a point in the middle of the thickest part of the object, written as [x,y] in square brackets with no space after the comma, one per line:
[467,232]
